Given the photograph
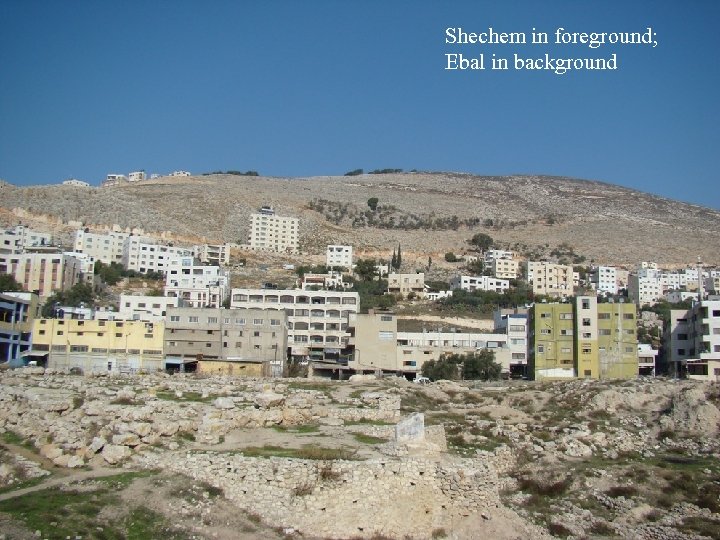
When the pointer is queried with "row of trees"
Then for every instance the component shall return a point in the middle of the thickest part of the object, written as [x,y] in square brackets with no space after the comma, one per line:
[472,366]
[112,273]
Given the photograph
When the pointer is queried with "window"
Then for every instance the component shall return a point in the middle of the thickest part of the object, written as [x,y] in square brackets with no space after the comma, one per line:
[212,320]
[193,318]
[174,318]
[256,333]
[59,333]
[238,344]
[541,349]
[604,332]
[629,349]
[518,356]
[682,336]
[681,351]
[565,350]
[41,332]
[628,316]
[210,332]
[586,335]
[586,349]
[386,318]
[240,321]
[256,347]
[544,315]
[586,304]
[258,322]
[274,322]
[603,316]
[545,331]
[78,348]
[586,322]
[133,351]
[630,332]
[208,345]
[118,334]
[566,332]
[386,336]
[566,316]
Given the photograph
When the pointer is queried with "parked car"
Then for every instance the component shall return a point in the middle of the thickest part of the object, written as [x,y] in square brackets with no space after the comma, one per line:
[421,380]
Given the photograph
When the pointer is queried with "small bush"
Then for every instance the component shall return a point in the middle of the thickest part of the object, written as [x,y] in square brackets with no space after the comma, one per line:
[302,490]
[622,491]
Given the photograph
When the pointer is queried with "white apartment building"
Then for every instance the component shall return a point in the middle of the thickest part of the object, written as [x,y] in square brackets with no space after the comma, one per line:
[514,324]
[179,173]
[331,280]
[217,254]
[339,256]
[604,279]
[195,285]
[42,272]
[114,179]
[551,279]
[675,297]
[20,238]
[644,290]
[86,264]
[693,340]
[673,281]
[145,308]
[105,247]
[479,283]
[136,176]
[494,254]
[317,320]
[144,255]
[505,268]
[646,359]
[75,182]
[274,233]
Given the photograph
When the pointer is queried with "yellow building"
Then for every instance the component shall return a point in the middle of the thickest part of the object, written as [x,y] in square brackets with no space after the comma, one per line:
[97,345]
[582,338]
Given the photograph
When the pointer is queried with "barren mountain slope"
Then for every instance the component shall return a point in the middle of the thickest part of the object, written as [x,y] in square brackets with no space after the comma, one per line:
[603,222]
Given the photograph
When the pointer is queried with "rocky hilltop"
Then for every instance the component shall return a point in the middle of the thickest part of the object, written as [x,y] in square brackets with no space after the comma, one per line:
[428,213]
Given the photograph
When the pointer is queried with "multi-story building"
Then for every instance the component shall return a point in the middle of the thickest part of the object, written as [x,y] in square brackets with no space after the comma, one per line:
[273,233]
[339,257]
[479,283]
[217,254]
[692,339]
[136,176]
[505,268]
[604,279]
[99,345]
[583,338]
[144,255]
[331,280]
[17,312]
[251,342]
[378,346]
[514,324]
[43,273]
[647,356]
[644,290]
[104,247]
[407,284]
[144,308]
[317,320]
[20,238]
[75,182]
[551,279]
[114,179]
[194,284]
[497,254]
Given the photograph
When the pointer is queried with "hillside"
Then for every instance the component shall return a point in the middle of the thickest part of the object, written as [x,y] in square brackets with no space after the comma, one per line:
[428,213]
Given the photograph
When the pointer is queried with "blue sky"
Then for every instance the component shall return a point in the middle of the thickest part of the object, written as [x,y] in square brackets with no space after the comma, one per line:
[293,88]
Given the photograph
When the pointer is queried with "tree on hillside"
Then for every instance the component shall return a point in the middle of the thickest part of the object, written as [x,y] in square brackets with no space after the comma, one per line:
[354,172]
[372,202]
[81,293]
[365,269]
[482,241]
[399,259]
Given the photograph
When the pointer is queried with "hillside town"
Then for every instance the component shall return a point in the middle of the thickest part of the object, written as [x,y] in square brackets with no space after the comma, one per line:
[485,394]
[571,321]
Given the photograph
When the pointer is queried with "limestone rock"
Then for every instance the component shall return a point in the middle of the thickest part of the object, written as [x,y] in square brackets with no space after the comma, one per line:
[96,445]
[224,403]
[266,400]
[113,453]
